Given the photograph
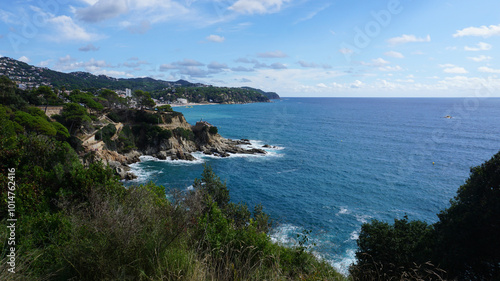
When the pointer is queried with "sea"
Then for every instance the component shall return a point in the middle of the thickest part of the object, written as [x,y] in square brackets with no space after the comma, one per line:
[337,163]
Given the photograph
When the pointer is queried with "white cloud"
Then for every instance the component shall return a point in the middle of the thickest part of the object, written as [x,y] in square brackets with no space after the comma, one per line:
[45,63]
[321,85]
[275,54]
[215,38]
[112,73]
[407,39]
[313,14]
[356,84]
[447,65]
[8,17]
[102,10]
[455,70]
[480,58]
[481,46]
[257,6]
[394,54]
[488,70]
[138,15]
[391,68]
[67,63]
[346,51]
[451,68]
[483,31]
[376,62]
[68,30]
[24,59]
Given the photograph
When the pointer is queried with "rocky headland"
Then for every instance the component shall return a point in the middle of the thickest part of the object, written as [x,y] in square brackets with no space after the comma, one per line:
[176,140]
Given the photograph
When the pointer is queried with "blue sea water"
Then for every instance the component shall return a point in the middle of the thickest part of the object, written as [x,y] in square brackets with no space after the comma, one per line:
[341,162]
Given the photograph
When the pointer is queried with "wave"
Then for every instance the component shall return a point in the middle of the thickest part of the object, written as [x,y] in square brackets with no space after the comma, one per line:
[354,235]
[199,160]
[363,218]
[260,145]
[343,211]
[286,234]
[342,263]
[141,172]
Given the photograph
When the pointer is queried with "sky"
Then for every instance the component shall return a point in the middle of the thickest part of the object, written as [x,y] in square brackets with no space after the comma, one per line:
[297,48]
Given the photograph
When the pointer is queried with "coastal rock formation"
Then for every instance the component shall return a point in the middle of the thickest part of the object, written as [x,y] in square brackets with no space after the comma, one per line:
[118,162]
[183,141]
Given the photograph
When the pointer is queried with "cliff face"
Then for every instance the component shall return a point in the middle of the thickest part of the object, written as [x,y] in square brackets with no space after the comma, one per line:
[176,140]
[173,122]
[205,140]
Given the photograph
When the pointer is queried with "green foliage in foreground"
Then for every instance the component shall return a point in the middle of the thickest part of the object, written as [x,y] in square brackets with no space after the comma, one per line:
[462,245]
[79,222]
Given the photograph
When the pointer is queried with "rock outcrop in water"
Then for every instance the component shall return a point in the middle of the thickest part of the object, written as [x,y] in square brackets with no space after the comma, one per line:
[183,139]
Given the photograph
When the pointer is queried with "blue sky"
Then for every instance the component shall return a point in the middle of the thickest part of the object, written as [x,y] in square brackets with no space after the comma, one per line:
[305,48]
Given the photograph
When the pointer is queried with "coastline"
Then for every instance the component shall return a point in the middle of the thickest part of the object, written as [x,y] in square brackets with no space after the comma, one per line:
[188,104]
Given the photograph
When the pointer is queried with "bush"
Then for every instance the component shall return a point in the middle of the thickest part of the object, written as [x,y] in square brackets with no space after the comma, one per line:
[389,251]
[213,130]
[184,133]
[115,117]
[165,108]
[467,232]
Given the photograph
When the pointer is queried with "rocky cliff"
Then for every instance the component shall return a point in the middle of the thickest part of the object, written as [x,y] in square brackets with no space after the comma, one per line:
[182,140]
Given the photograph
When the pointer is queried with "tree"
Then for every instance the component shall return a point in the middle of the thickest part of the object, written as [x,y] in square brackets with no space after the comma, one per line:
[9,93]
[165,108]
[47,93]
[468,231]
[464,242]
[74,115]
[386,250]
[213,187]
[143,99]
[111,96]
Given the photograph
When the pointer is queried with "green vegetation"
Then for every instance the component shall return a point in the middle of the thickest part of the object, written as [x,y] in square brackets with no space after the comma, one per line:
[143,99]
[462,245]
[213,130]
[76,221]
[87,99]
[184,133]
[79,222]
[211,94]
[165,108]
[146,135]
[105,134]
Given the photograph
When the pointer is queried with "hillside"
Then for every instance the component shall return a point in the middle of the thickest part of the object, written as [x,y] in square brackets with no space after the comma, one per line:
[29,76]
[77,221]
[270,95]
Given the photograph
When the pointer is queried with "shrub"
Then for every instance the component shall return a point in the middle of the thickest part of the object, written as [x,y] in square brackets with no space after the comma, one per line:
[394,248]
[184,133]
[213,130]
[114,116]
[165,108]
[468,231]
